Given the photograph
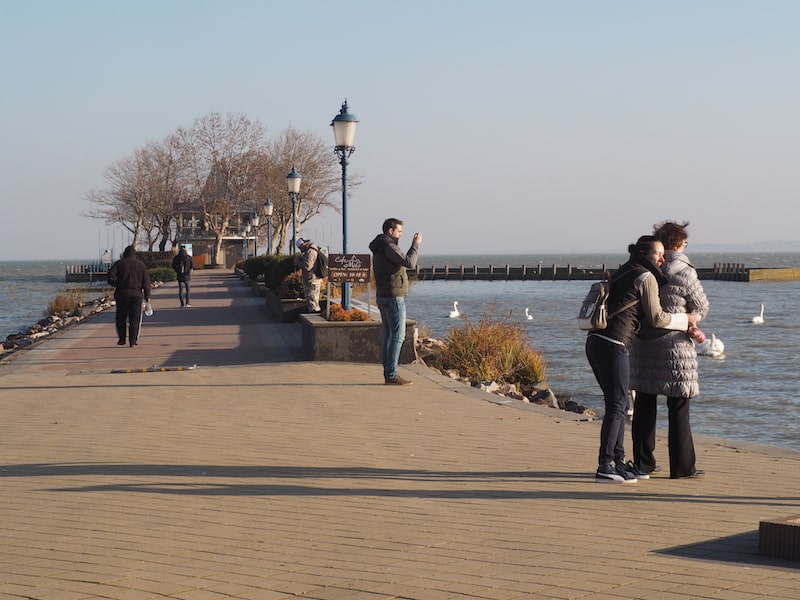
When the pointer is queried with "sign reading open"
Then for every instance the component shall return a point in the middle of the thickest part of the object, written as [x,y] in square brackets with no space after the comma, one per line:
[354,268]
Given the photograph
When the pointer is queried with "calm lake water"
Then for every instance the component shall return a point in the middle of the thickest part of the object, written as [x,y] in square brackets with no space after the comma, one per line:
[749,394]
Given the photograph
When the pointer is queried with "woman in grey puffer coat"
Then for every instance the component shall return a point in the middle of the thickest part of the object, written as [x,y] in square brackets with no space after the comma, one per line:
[665,362]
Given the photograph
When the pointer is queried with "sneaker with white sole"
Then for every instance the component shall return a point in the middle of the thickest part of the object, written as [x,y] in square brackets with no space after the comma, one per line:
[637,472]
[628,475]
[608,474]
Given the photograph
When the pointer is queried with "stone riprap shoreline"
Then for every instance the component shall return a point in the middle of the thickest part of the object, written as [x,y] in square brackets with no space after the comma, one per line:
[52,324]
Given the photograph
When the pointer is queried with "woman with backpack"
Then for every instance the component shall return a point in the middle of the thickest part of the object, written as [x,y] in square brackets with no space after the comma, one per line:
[633,301]
[665,362]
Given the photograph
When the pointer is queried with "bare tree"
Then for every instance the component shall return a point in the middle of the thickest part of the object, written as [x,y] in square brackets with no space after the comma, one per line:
[217,156]
[140,195]
[123,199]
[220,167]
[317,165]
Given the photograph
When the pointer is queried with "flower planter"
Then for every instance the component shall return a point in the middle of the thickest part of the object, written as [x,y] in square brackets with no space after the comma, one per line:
[282,309]
[350,341]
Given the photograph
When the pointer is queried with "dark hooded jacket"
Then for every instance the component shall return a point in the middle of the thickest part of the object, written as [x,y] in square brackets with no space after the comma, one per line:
[390,264]
[183,265]
[129,277]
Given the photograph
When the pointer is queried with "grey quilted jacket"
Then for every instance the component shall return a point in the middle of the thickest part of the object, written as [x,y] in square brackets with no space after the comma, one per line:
[663,361]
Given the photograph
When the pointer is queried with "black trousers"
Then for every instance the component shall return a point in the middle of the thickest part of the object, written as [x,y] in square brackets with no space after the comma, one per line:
[129,317]
[643,430]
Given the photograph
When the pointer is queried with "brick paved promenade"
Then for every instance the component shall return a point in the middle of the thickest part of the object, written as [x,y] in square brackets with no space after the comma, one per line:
[257,476]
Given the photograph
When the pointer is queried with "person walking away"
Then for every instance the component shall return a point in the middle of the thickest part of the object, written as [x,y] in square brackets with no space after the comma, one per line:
[183,264]
[131,282]
[391,283]
[634,293]
[665,362]
[306,261]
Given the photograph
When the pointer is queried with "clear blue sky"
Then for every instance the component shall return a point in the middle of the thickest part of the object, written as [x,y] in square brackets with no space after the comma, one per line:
[492,127]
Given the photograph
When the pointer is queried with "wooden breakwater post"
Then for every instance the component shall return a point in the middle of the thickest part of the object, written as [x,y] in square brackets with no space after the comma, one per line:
[539,272]
[731,272]
[506,273]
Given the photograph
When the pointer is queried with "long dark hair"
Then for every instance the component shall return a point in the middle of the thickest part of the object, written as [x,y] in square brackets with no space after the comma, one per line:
[643,245]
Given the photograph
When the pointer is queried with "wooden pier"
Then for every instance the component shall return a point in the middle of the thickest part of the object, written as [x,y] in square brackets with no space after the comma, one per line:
[539,272]
[91,273]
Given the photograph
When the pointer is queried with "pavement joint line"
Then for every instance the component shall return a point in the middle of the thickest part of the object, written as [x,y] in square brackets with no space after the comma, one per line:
[154,369]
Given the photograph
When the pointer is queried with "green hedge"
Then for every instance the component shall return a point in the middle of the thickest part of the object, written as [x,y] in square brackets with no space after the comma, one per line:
[254,266]
[276,268]
[156,259]
[162,274]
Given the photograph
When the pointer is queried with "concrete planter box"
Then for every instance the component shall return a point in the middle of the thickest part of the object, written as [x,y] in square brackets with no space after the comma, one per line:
[282,309]
[353,341]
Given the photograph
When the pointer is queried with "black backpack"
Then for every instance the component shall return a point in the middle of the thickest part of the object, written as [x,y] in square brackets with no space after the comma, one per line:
[321,266]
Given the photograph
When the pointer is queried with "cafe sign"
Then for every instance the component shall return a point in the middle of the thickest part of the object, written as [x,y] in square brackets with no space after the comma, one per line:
[353,268]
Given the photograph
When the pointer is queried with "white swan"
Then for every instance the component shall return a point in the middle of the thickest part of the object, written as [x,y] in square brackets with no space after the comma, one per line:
[713,346]
[759,319]
[528,315]
[454,314]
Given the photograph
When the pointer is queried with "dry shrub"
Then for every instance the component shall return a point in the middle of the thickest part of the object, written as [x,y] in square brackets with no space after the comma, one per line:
[492,351]
[292,286]
[66,301]
[340,314]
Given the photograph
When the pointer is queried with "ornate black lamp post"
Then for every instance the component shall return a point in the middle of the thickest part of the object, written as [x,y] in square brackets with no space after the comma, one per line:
[293,180]
[344,132]
[246,241]
[268,213]
[256,221]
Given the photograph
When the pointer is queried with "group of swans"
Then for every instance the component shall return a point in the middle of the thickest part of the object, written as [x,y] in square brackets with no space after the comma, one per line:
[454,314]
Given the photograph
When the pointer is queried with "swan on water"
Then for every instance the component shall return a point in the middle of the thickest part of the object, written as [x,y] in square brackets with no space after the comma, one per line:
[454,314]
[758,319]
[713,346]
[528,315]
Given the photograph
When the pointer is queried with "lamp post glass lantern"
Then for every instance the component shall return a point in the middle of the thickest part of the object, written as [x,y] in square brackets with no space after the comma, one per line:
[344,132]
[268,214]
[256,221]
[293,180]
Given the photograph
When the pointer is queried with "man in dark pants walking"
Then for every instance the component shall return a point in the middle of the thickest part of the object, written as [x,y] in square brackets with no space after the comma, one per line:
[131,282]
[183,265]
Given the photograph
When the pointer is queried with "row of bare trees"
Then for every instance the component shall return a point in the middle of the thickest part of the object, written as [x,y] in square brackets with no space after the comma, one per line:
[221,166]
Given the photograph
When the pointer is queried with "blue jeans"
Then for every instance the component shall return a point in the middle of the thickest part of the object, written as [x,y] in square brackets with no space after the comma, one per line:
[181,286]
[610,363]
[393,319]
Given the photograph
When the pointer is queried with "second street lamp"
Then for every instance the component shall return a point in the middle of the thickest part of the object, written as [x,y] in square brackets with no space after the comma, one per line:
[293,180]
[268,213]
[344,132]
[256,221]
[246,250]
